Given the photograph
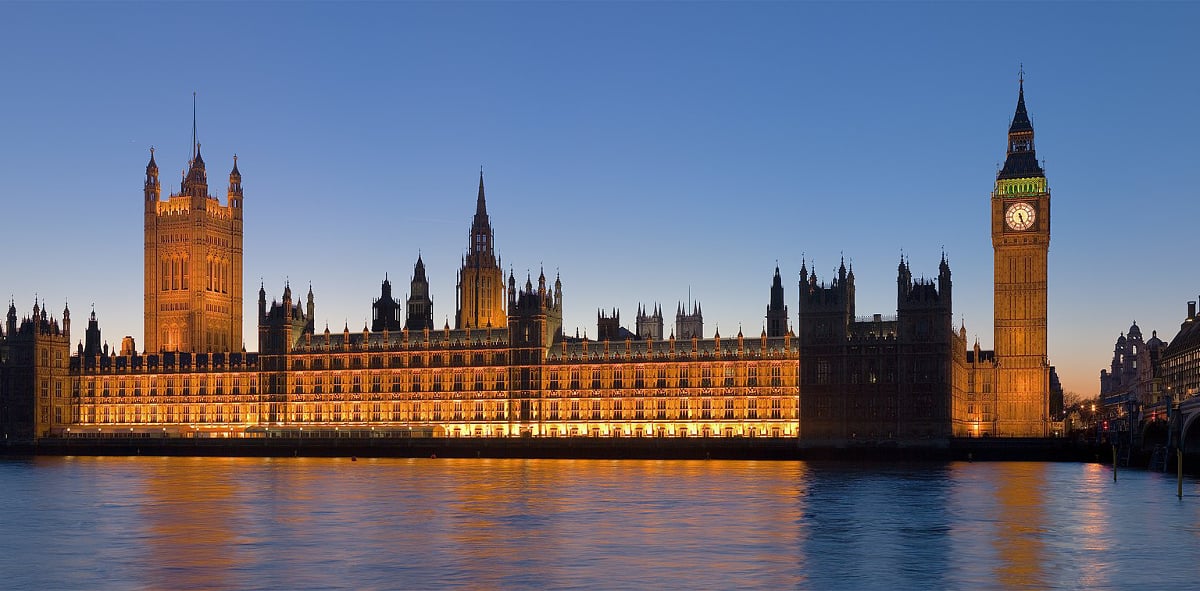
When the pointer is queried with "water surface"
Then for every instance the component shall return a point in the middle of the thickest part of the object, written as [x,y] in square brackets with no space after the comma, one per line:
[302,523]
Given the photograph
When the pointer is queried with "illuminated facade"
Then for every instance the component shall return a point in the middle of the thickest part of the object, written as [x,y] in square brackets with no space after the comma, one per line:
[1021,242]
[481,280]
[506,369]
[193,264]
[523,380]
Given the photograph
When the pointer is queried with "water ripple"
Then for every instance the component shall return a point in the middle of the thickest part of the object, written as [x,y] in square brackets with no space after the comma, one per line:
[298,523]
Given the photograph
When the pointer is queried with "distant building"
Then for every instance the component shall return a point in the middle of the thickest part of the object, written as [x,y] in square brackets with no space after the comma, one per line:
[1180,360]
[1127,388]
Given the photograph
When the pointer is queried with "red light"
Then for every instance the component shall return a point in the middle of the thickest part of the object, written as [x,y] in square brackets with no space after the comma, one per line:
[1105,425]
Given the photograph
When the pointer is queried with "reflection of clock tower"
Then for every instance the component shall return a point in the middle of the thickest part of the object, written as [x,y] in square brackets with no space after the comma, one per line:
[1021,240]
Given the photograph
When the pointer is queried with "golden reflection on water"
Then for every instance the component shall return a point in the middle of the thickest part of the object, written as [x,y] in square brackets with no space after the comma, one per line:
[295,523]
[188,513]
[1021,525]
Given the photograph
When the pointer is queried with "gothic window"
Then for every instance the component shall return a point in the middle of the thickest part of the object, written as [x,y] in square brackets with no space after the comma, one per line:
[823,371]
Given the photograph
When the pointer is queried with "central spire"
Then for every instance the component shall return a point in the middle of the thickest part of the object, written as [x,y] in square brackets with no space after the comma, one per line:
[481,231]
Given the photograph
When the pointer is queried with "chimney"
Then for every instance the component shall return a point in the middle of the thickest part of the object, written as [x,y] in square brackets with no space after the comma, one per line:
[1191,310]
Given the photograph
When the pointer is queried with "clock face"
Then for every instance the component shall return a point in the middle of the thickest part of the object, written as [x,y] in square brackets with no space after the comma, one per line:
[1019,216]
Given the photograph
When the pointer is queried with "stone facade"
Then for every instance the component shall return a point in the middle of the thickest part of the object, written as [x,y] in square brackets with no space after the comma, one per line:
[193,263]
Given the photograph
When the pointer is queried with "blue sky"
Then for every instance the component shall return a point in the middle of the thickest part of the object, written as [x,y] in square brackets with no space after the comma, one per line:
[642,149]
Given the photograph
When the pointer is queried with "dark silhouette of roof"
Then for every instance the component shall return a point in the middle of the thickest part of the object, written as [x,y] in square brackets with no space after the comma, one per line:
[1022,158]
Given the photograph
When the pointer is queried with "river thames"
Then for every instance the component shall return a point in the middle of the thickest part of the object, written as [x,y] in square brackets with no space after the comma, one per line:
[302,523]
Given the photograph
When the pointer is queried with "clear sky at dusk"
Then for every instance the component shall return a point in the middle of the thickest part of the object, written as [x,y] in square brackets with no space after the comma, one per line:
[641,149]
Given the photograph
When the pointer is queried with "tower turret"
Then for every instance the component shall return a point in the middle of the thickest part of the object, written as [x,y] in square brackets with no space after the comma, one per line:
[557,291]
[195,183]
[153,190]
[91,339]
[385,310]
[689,323]
[944,283]
[235,185]
[420,305]
[777,311]
[262,302]
[650,326]
[309,309]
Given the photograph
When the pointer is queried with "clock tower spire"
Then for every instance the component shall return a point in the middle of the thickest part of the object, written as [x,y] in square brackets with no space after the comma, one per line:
[1021,242]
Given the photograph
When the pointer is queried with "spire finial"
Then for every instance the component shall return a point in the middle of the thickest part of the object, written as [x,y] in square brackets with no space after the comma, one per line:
[195,145]
[1021,75]
[481,203]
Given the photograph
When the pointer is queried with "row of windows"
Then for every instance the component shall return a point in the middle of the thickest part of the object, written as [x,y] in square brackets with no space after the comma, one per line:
[492,410]
[397,361]
[165,387]
[167,413]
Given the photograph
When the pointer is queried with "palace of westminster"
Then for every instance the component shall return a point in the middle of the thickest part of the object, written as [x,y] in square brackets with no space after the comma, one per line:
[507,370]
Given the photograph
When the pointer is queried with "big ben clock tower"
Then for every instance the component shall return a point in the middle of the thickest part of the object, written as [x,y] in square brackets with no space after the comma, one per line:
[1021,241]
